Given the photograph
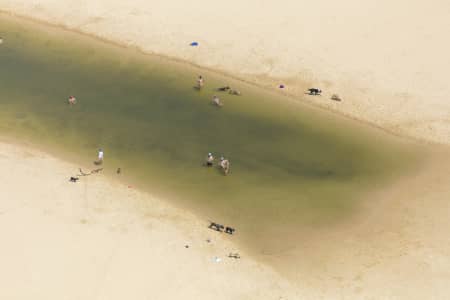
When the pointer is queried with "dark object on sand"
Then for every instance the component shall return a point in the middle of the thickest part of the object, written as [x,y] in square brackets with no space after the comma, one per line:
[314,91]
[229,230]
[96,171]
[234,255]
[216,226]
[74,179]
[336,97]
[224,88]
[281,86]
[193,44]
[186,246]
[90,173]
[118,171]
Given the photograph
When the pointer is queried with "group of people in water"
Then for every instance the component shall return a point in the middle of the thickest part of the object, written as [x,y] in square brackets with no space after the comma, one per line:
[224,164]
[200,83]
[216,100]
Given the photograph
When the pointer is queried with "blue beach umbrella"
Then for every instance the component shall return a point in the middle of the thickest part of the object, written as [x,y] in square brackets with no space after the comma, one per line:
[193,44]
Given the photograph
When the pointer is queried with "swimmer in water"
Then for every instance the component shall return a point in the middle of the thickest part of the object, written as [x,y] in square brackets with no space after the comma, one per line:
[216,101]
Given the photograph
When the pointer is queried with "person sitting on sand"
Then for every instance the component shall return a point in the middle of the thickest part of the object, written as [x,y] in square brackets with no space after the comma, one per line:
[72,100]
[209,160]
[216,101]
[200,82]
[225,165]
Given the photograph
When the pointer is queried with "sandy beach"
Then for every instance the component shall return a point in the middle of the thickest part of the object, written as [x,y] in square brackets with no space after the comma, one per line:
[99,239]
[102,239]
[386,60]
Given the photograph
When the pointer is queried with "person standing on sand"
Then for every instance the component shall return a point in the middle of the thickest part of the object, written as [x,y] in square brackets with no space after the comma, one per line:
[200,82]
[100,156]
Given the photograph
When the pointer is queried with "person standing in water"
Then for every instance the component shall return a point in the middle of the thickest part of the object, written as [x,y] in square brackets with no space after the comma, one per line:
[209,160]
[100,157]
[72,100]
[200,82]
[216,101]
[225,165]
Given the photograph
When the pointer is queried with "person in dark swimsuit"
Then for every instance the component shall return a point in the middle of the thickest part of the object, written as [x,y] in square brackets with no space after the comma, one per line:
[209,160]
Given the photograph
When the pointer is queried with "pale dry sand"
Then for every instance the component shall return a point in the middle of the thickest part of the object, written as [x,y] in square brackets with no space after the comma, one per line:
[388,60]
[98,239]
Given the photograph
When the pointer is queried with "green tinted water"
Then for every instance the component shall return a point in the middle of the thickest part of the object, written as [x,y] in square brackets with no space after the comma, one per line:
[292,165]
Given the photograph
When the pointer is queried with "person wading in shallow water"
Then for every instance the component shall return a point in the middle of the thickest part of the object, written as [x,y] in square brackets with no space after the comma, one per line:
[100,157]
[200,82]
[72,100]
[209,160]
[225,165]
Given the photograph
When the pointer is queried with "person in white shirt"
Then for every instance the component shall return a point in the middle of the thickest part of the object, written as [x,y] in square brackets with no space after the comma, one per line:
[225,165]
[100,156]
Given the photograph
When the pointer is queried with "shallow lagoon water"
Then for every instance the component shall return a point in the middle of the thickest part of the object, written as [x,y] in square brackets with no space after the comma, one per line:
[293,166]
